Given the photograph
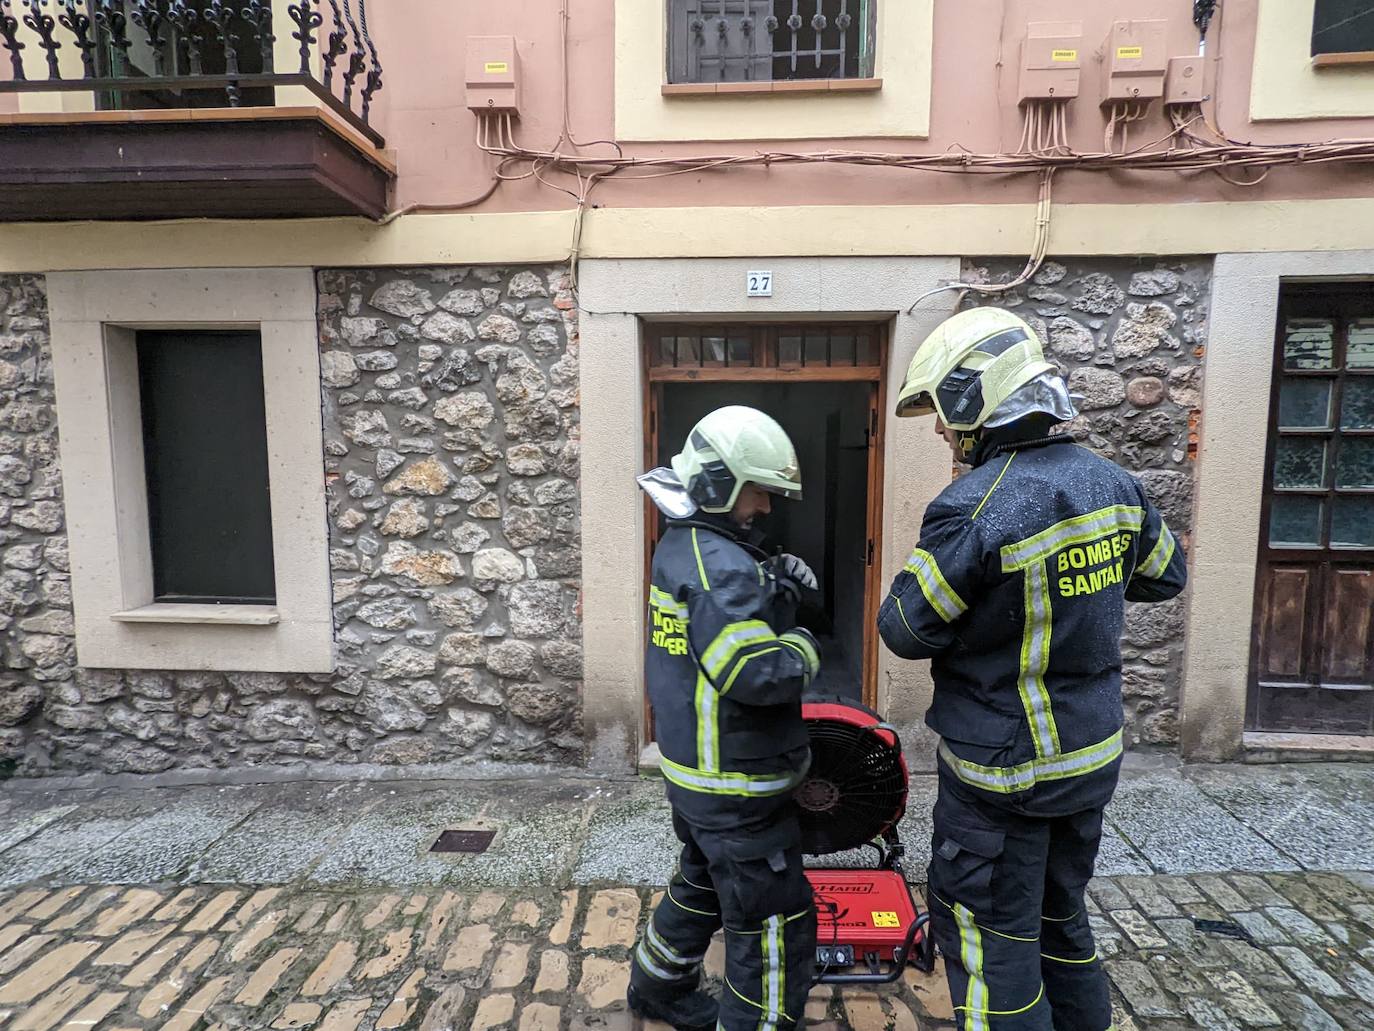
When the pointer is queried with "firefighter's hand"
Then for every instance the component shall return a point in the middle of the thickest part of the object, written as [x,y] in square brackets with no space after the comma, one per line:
[794,575]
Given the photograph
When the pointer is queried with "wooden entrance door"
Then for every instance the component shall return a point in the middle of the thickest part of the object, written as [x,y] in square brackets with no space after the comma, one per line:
[777,353]
[1312,666]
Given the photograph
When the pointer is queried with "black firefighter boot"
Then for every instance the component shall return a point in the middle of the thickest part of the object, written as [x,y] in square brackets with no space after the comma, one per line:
[690,1011]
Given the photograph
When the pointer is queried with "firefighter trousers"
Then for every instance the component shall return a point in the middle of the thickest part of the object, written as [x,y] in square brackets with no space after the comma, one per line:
[754,887]
[1007,911]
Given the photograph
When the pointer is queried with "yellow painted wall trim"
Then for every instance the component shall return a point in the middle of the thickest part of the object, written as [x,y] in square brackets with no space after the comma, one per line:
[1285,85]
[900,109]
[916,230]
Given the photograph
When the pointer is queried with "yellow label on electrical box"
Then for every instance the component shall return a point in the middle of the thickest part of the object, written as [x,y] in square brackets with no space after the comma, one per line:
[1126,52]
[1063,55]
[886,919]
[496,67]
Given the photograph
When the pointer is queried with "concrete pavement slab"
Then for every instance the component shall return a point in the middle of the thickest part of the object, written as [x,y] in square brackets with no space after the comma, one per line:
[63,835]
[631,841]
[282,841]
[1178,829]
[1318,815]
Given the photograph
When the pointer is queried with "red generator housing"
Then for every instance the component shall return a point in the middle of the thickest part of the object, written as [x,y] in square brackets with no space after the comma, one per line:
[868,924]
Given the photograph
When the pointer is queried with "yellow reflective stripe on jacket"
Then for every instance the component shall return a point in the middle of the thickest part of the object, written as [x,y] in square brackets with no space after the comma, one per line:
[740,784]
[941,596]
[661,599]
[1070,532]
[803,647]
[701,566]
[1035,660]
[729,642]
[1010,779]
[708,725]
[739,667]
[1158,561]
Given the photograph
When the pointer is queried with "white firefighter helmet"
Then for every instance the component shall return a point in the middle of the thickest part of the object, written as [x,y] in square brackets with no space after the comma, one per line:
[733,446]
[969,366]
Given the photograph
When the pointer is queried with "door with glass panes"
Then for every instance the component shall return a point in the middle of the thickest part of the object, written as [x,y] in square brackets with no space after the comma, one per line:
[1312,666]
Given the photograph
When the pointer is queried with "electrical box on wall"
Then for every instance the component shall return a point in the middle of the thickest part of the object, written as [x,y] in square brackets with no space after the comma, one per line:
[1050,61]
[1183,81]
[493,75]
[1135,61]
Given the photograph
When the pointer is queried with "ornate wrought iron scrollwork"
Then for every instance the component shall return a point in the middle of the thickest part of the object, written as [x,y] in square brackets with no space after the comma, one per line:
[150,16]
[76,21]
[771,24]
[843,21]
[222,18]
[818,22]
[9,35]
[185,22]
[258,15]
[795,22]
[374,71]
[109,16]
[307,20]
[43,23]
[338,32]
[356,62]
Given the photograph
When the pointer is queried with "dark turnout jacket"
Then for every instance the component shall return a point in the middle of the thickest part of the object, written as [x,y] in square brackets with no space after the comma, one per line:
[725,678]
[1016,593]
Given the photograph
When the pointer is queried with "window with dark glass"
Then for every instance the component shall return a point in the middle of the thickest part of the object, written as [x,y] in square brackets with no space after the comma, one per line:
[769,40]
[205,458]
[1343,27]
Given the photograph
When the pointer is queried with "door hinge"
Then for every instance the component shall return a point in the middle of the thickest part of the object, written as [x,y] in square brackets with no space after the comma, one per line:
[871,434]
[869,560]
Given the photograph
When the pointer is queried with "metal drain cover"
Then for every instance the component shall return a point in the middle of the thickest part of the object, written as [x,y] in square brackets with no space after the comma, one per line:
[463,841]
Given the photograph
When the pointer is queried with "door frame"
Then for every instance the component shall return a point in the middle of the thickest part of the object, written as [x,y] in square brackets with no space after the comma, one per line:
[770,372]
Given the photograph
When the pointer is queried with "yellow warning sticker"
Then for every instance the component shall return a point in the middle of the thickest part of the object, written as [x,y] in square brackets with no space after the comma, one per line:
[1128,52]
[886,919]
[496,67]
[1063,55]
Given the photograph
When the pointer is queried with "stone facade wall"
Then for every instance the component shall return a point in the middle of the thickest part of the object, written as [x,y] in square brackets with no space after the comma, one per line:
[1130,337]
[451,441]
[451,457]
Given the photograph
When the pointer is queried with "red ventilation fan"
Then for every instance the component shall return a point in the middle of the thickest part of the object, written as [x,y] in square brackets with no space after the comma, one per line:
[854,794]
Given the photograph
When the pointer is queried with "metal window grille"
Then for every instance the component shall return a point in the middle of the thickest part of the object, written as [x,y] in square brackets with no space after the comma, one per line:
[794,346]
[769,40]
[1342,27]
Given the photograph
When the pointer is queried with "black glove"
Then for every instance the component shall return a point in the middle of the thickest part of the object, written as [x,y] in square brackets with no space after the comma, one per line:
[793,576]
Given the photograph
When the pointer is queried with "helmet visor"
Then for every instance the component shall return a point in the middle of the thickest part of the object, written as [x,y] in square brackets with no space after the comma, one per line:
[791,493]
[916,404]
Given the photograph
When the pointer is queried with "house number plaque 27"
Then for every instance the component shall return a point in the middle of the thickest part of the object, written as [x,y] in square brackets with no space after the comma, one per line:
[758,284]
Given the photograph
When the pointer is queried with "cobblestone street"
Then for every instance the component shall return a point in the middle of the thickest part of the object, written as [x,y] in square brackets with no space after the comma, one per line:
[197,907]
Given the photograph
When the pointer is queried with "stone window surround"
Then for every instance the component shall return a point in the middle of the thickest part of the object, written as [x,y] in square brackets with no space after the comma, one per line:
[1230,489]
[93,316]
[916,465]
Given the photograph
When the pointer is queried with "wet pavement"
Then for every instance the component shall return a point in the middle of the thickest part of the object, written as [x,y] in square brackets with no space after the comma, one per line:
[1228,898]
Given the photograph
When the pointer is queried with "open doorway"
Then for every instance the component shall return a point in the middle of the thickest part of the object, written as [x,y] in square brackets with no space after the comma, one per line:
[823,383]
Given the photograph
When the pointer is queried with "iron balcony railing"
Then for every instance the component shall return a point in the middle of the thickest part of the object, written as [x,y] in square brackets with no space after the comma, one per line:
[192,53]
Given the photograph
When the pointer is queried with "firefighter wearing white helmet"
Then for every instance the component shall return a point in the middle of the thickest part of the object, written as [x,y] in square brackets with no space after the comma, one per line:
[1016,594]
[726,668]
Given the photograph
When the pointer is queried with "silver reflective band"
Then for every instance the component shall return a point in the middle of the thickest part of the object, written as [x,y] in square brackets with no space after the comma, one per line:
[1153,567]
[740,784]
[941,596]
[1009,779]
[1078,530]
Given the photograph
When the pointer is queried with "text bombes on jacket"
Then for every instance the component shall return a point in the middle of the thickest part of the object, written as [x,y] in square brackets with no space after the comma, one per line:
[1101,563]
[670,633]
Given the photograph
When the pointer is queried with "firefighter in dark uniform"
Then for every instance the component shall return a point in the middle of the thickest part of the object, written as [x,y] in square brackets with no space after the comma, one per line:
[726,669]
[1016,593]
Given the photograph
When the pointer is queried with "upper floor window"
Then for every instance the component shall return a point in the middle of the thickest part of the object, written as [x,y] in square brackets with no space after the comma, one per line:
[1343,27]
[769,40]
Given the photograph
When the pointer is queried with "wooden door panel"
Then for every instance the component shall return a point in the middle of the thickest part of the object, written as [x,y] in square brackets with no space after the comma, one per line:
[1283,633]
[1346,630]
[1316,710]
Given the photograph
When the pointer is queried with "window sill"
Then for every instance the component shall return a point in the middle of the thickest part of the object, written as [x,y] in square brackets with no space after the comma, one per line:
[1289,745]
[230,615]
[1356,57]
[791,86]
